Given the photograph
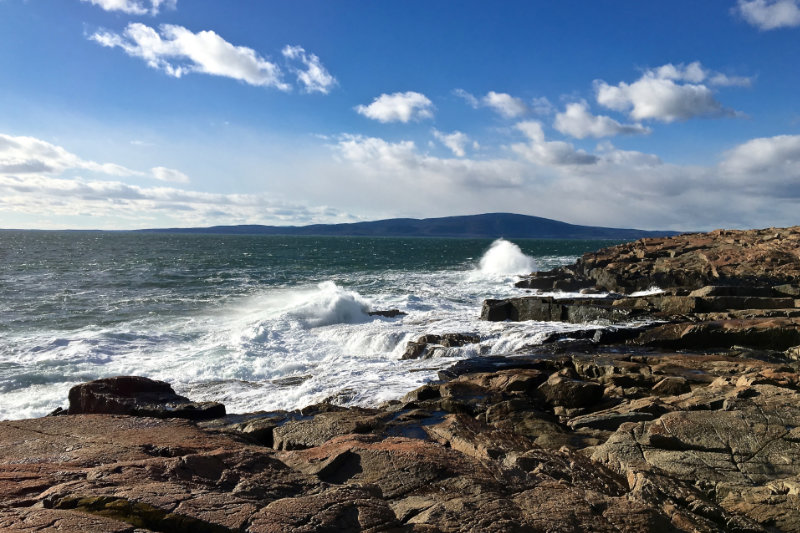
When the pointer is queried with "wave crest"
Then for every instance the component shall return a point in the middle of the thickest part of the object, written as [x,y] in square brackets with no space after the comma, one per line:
[505,257]
[330,304]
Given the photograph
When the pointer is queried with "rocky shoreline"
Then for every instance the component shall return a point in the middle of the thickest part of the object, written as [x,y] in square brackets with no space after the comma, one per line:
[681,413]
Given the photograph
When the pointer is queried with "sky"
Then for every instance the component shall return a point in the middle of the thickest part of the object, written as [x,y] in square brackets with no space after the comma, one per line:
[127,114]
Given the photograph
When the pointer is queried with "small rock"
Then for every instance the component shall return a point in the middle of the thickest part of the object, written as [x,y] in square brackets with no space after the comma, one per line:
[566,392]
[671,386]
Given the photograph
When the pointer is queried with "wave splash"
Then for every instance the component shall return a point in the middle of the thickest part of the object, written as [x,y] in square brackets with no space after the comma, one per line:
[330,304]
[504,258]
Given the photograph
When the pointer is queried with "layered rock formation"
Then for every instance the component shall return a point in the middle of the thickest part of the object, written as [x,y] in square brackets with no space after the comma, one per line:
[687,419]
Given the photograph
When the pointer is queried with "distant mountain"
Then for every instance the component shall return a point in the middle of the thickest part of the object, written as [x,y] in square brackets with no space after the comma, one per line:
[490,225]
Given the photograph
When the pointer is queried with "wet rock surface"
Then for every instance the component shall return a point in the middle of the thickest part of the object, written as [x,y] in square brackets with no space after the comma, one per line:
[688,422]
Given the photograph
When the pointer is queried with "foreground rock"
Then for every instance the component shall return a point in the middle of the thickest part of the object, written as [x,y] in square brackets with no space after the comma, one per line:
[603,441]
[133,395]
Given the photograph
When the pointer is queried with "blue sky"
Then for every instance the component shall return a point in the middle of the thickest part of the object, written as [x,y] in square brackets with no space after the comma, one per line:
[121,114]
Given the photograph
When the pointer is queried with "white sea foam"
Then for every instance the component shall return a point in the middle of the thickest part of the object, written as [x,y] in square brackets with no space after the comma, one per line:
[649,292]
[505,257]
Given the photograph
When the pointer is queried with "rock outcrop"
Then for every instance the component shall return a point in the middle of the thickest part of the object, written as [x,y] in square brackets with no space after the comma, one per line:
[767,258]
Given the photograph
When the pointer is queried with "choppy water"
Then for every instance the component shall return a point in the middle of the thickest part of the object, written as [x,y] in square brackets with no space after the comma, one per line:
[257,322]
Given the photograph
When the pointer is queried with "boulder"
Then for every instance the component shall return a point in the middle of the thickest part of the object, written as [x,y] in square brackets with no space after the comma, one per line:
[565,392]
[139,396]
[422,348]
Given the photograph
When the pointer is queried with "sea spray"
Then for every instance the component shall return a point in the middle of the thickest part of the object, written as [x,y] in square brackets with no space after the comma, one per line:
[331,304]
[504,258]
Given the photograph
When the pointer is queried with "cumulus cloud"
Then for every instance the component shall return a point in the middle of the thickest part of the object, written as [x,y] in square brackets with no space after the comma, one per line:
[770,14]
[540,151]
[314,76]
[169,174]
[763,163]
[504,104]
[576,121]
[695,73]
[668,93]
[134,7]
[398,107]
[455,141]
[178,51]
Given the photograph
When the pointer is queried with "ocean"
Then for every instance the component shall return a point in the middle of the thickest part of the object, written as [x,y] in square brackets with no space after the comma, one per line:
[255,322]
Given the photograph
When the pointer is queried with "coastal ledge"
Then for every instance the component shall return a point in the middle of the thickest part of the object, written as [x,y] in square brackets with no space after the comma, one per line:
[613,431]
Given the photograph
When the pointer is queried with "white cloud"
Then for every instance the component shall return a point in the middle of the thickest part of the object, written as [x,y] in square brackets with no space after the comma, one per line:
[456,141]
[28,155]
[668,93]
[25,156]
[757,184]
[578,122]
[178,51]
[770,14]
[398,107]
[764,163]
[38,179]
[401,165]
[695,73]
[542,152]
[505,104]
[315,78]
[468,97]
[132,206]
[134,7]
[169,174]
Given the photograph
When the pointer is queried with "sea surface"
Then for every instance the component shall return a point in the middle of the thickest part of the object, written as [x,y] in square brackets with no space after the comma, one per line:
[256,322]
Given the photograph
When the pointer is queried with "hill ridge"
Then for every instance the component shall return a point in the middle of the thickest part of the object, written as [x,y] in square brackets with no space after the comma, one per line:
[486,225]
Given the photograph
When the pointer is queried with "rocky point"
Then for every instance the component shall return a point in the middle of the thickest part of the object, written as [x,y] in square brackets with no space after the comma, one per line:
[674,410]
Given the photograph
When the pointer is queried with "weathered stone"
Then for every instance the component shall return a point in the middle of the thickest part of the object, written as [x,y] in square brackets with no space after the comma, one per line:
[422,347]
[671,386]
[314,431]
[771,333]
[550,309]
[566,392]
[755,258]
[140,396]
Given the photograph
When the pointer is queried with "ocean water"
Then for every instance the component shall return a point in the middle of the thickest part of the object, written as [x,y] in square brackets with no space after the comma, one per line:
[256,322]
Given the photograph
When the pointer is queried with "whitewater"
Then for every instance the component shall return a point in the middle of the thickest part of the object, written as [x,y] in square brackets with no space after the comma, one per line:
[255,323]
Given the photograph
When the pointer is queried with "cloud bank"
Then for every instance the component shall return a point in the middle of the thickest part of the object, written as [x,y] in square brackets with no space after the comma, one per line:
[35,180]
